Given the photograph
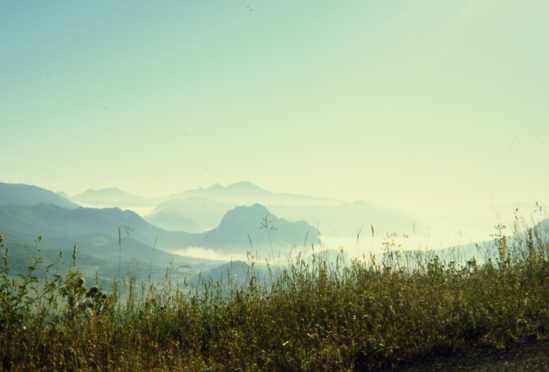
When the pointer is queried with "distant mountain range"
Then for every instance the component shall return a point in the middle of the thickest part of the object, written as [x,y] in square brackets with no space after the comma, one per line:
[192,214]
[109,235]
[248,228]
[248,193]
[27,195]
[239,229]
[112,197]
[107,239]
[201,209]
[56,222]
[112,240]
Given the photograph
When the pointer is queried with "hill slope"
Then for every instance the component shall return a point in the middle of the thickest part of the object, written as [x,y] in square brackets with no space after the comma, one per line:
[28,195]
[255,228]
[109,241]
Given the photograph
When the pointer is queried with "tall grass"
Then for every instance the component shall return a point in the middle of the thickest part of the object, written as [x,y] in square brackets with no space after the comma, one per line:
[314,316]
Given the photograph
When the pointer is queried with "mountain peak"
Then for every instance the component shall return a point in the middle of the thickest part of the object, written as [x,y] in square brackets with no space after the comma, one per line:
[254,212]
[105,190]
[243,190]
[110,196]
[246,185]
[241,186]
[214,187]
[28,195]
[249,226]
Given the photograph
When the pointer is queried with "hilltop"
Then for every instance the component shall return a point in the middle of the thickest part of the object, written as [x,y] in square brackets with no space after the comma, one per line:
[29,195]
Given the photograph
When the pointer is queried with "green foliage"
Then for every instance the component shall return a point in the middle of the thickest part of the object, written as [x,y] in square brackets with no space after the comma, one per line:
[313,317]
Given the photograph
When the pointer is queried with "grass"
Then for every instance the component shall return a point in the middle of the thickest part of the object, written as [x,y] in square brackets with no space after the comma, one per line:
[314,316]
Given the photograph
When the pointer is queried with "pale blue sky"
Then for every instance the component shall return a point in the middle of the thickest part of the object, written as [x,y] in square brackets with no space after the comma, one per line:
[413,103]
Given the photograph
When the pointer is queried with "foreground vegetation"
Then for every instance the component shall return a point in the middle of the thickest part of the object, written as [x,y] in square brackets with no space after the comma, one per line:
[314,316]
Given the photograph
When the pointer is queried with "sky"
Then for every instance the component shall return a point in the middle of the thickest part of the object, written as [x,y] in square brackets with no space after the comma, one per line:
[438,107]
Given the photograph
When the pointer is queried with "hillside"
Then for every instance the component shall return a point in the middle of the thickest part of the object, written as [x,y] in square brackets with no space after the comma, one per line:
[255,229]
[99,233]
[95,233]
[28,195]
[56,222]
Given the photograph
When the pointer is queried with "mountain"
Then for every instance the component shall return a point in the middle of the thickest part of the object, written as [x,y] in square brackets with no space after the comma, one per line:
[28,195]
[193,214]
[254,229]
[239,193]
[112,197]
[54,221]
[108,240]
[89,225]
[203,208]
[245,192]
[112,242]
[64,195]
[238,230]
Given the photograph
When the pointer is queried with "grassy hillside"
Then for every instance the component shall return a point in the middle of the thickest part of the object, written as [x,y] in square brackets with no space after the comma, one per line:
[314,317]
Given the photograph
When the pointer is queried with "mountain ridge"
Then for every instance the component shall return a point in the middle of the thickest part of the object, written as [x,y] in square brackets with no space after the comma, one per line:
[335,217]
[27,195]
[111,196]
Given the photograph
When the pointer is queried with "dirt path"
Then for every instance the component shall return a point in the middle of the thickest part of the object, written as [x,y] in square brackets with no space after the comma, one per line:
[527,357]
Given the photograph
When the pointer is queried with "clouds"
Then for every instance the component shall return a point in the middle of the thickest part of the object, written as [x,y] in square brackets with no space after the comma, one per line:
[208,254]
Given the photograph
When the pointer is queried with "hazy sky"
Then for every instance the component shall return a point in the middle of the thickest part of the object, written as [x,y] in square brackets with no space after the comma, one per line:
[419,103]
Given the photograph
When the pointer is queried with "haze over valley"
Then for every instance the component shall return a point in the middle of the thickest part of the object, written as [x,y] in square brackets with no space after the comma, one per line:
[247,185]
[200,229]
